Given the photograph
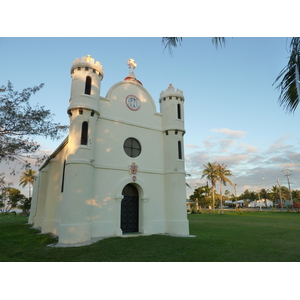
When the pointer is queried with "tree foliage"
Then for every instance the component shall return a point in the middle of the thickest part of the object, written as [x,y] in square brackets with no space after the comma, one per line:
[215,172]
[27,177]
[21,123]
[289,85]
[9,199]
[201,195]
[222,174]
[210,173]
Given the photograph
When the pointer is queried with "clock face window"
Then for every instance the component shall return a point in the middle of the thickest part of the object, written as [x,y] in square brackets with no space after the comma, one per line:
[133,102]
[132,147]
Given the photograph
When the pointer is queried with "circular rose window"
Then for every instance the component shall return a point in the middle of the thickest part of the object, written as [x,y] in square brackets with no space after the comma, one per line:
[132,147]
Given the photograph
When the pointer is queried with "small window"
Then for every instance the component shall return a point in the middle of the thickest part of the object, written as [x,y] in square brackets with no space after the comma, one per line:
[178,111]
[179,150]
[84,133]
[88,85]
[63,177]
[132,147]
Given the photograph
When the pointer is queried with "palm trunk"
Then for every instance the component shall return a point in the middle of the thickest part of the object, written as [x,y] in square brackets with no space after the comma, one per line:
[221,202]
[213,196]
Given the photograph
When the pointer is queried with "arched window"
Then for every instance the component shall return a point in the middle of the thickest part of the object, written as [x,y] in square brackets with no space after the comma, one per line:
[88,85]
[179,150]
[178,111]
[84,133]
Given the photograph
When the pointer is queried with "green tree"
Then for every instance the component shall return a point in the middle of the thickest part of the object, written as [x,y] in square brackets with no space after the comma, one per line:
[288,80]
[25,205]
[211,174]
[285,192]
[264,194]
[21,123]
[27,177]
[296,195]
[248,195]
[201,196]
[9,199]
[227,194]
[222,176]
[274,194]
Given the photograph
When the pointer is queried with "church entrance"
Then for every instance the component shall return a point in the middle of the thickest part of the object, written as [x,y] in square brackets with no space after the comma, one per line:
[130,209]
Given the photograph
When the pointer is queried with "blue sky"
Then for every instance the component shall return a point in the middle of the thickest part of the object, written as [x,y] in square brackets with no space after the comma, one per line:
[231,110]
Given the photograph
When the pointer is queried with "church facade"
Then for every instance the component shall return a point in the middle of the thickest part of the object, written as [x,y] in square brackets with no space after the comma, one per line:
[121,168]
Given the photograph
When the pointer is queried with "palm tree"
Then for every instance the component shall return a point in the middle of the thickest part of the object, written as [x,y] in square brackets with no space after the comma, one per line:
[222,177]
[210,173]
[289,85]
[275,194]
[27,178]
[265,195]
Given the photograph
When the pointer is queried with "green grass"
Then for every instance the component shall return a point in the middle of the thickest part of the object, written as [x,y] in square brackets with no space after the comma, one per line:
[231,237]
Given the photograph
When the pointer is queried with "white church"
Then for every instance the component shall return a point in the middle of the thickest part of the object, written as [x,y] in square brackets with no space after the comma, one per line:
[121,169]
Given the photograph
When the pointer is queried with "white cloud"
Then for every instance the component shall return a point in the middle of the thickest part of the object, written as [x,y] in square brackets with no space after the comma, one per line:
[209,142]
[249,163]
[231,133]
[248,148]
[191,146]
[233,159]
[226,143]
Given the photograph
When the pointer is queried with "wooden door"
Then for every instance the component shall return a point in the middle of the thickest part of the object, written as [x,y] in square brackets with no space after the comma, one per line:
[130,209]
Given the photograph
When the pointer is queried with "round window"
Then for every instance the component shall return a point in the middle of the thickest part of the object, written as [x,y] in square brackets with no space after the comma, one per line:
[132,147]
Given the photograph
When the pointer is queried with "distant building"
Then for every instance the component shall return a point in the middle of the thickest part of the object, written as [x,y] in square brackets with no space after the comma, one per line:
[260,203]
[121,168]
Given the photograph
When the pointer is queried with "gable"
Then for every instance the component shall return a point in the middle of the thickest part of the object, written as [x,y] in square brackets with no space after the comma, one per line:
[114,105]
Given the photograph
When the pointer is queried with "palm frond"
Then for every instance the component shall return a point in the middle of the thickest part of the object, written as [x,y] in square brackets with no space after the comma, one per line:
[219,41]
[171,42]
[289,85]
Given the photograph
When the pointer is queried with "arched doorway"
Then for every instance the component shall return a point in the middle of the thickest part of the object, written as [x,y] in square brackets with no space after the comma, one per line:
[130,209]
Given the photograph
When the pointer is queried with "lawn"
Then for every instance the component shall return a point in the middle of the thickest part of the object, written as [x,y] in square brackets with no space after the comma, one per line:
[231,237]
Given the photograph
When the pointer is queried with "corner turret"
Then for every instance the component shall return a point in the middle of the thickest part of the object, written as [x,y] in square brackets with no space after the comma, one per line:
[86,79]
[171,106]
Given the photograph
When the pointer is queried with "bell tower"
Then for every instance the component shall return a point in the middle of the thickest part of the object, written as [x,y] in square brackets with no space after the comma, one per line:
[172,109]
[84,111]
[83,108]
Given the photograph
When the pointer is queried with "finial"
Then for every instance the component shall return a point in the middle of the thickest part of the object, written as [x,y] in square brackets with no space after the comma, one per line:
[132,65]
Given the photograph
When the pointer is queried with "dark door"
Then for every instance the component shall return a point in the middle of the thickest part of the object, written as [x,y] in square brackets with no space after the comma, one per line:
[130,209]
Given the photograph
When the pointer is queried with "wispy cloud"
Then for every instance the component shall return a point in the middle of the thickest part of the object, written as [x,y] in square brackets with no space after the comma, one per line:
[248,163]
[231,133]
[191,146]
